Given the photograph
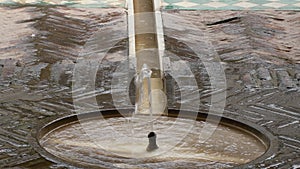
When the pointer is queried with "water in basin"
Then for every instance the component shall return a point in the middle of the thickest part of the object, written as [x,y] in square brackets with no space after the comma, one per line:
[122,142]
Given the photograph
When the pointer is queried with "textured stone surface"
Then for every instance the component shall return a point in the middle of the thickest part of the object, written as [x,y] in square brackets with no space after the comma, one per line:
[259,52]
[38,50]
[71,3]
[261,76]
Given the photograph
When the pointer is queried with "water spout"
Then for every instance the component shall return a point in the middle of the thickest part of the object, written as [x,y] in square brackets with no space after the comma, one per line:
[152,142]
[143,85]
[144,104]
[148,51]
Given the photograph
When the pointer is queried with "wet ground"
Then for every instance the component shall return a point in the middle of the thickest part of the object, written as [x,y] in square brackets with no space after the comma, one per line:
[40,46]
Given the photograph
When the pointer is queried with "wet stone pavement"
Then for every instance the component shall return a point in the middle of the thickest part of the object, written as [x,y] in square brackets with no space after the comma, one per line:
[40,46]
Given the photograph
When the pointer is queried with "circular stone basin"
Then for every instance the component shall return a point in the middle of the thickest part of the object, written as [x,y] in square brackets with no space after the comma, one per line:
[108,139]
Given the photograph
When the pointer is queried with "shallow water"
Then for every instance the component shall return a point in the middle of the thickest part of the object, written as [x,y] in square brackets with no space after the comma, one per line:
[115,138]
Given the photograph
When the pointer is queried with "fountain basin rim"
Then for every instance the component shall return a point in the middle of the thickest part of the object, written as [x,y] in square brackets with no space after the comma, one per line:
[268,139]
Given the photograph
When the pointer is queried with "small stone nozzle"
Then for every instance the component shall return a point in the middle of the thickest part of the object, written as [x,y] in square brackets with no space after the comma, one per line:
[152,142]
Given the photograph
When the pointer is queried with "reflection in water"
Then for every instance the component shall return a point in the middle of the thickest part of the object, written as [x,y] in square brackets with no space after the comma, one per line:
[96,141]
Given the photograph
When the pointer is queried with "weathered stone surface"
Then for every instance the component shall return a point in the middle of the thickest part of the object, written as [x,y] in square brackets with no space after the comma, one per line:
[261,63]
[37,60]
[39,47]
